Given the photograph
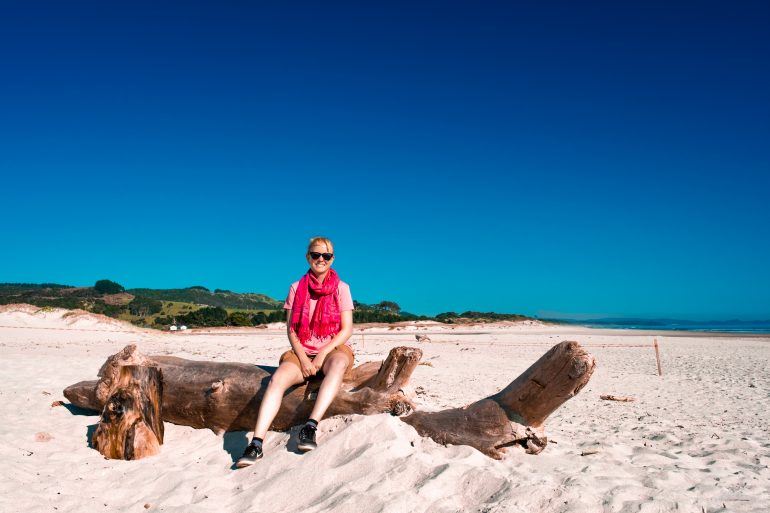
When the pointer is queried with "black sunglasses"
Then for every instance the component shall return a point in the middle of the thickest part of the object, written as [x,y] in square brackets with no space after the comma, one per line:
[316,256]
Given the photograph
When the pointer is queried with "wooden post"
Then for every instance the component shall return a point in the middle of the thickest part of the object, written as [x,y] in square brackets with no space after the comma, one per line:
[657,356]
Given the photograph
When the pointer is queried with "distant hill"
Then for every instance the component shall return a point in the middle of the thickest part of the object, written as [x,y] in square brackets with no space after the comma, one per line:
[198,306]
[150,307]
[67,295]
[46,294]
[219,297]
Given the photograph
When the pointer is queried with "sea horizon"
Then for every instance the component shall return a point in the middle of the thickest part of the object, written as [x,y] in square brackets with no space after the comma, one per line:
[718,326]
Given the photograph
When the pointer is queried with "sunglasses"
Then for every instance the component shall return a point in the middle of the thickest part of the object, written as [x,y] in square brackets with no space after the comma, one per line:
[316,256]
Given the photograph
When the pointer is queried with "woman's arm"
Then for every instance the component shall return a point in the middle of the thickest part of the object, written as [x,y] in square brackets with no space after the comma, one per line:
[305,365]
[346,331]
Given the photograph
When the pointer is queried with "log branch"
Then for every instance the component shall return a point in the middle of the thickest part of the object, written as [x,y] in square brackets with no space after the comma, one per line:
[516,414]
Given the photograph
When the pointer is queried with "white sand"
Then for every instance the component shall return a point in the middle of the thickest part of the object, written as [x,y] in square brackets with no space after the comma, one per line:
[696,439]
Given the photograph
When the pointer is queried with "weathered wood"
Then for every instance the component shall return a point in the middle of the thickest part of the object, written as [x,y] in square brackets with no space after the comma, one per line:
[130,427]
[516,414]
[619,398]
[226,396]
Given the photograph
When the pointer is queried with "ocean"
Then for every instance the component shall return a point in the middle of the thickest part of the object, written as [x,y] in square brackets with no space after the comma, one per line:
[732,326]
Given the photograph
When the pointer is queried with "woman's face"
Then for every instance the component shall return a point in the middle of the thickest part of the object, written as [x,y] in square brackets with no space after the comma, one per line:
[319,265]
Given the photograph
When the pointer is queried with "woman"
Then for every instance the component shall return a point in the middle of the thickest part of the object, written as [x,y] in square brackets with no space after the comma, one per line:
[319,322]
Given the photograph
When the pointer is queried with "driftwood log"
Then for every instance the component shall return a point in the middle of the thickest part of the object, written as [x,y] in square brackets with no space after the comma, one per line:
[516,414]
[226,396]
[130,427]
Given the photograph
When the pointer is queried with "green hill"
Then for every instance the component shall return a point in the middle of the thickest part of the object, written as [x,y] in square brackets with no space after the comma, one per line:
[150,307]
[47,294]
[198,306]
[202,296]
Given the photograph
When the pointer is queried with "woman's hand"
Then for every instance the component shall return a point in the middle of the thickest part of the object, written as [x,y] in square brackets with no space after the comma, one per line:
[306,366]
[320,358]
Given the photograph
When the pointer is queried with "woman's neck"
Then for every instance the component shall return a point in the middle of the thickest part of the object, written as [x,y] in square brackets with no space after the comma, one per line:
[320,277]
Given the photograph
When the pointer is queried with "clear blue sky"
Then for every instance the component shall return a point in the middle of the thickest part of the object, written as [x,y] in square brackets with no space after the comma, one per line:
[575,158]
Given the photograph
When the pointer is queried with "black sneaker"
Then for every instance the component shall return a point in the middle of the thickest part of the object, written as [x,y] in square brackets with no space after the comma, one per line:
[307,438]
[250,456]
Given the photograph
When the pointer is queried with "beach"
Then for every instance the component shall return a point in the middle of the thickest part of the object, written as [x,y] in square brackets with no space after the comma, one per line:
[695,439]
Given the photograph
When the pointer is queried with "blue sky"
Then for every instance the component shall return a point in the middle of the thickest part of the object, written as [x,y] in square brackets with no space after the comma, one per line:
[552,158]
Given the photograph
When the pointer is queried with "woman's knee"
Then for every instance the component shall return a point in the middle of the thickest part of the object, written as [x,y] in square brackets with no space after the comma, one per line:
[338,364]
[284,377]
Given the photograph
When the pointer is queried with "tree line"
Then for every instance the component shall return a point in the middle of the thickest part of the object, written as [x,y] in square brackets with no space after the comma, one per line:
[215,316]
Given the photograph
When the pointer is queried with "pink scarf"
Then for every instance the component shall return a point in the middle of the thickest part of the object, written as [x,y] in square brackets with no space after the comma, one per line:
[326,316]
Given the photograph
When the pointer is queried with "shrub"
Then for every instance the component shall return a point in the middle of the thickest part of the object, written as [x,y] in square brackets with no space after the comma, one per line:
[277,316]
[209,316]
[239,319]
[100,307]
[388,306]
[108,287]
[164,321]
[143,306]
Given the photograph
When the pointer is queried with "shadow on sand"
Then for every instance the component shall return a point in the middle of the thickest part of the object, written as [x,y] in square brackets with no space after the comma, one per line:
[77,410]
[90,435]
[234,443]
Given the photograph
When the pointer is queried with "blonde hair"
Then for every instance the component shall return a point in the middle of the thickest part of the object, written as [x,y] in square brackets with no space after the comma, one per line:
[321,240]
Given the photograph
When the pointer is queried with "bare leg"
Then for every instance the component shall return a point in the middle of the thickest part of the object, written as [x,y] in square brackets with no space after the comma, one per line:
[334,369]
[286,376]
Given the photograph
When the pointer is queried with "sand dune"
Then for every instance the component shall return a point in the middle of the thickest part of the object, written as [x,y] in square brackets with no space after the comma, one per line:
[28,316]
[695,439]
